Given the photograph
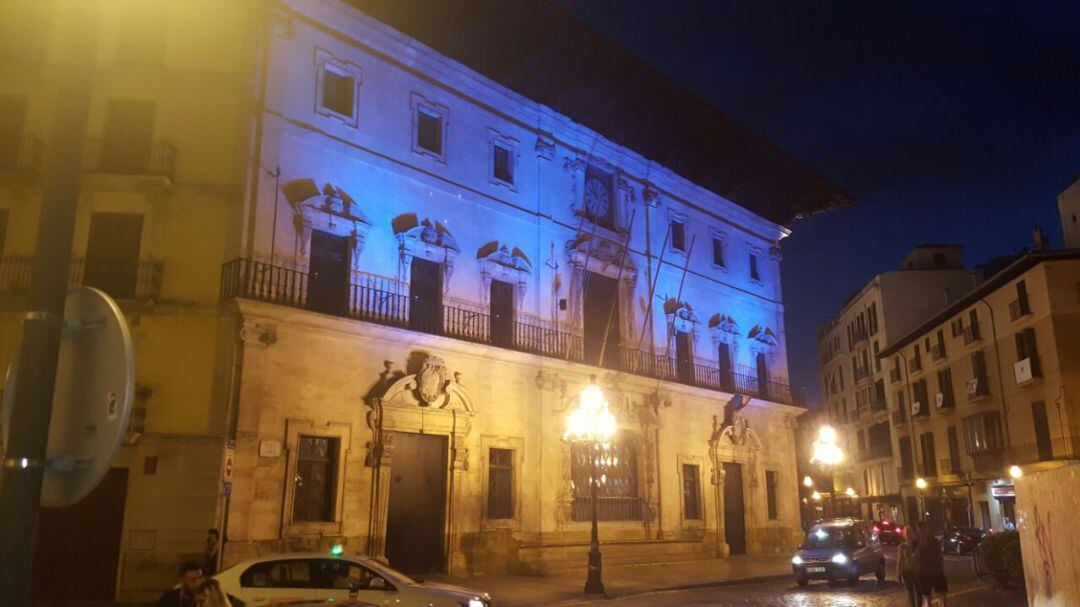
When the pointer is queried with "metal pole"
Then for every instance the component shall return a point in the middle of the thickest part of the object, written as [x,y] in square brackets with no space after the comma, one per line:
[594,584]
[24,463]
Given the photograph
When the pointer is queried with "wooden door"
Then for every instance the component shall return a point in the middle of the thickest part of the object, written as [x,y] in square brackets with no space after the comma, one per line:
[502,313]
[12,121]
[734,508]
[425,296]
[762,375]
[328,275]
[601,320]
[415,526]
[723,359]
[77,550]
[128,136]
[112,253]
[1042,431]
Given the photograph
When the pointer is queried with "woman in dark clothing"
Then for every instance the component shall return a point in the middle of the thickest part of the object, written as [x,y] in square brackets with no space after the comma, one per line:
[930,568]
[906,570]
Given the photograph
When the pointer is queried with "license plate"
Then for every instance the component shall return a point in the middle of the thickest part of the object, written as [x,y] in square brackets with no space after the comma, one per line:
[815,570]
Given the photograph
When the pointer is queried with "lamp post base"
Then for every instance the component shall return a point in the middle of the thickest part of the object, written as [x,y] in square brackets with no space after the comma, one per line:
[594,584]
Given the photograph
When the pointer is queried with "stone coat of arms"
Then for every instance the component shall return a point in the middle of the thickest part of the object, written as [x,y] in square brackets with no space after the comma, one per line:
[431,380]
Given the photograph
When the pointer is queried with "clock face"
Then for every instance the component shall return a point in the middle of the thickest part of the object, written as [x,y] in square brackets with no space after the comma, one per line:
[597,200]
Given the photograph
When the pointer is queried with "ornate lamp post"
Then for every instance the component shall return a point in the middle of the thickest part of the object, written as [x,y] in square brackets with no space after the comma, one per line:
[592,425]
[828,455]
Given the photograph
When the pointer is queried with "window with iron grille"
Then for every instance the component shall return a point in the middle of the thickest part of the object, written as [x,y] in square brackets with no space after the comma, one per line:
[500,504]
[316,479]
[617,489]
[770,494]
[691,492]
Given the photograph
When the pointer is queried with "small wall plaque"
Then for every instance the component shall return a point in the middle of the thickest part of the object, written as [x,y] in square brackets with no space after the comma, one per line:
[270,448]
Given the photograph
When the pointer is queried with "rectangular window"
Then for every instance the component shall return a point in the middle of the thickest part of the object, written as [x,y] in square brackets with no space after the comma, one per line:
[316,479]
[112,253]
[429,131]
[691,492]
[678,236]
[877,361]
[954,450]
[982,432]
[754,274]
[718,252]
[1022,298]
[142,34]
[338,91]
[503,163]
[1042,431]
[617,491]
[907,465]
[128,137]
[916,360]
[770,494]
[500,503]
[945,387]
[901,406]
[1026,348]
[981,380]
[929,461]
[919,396]
[12,123]
[873,319]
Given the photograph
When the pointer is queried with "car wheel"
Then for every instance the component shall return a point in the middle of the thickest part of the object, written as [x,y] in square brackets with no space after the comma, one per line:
[802,581]
[880,573]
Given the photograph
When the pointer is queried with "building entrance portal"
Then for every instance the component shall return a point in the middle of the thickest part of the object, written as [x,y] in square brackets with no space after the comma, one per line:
[415,520]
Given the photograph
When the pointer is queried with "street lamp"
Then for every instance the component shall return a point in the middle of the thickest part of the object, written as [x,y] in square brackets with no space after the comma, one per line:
[920,484]
[1015,472]
[592,425]
[850,492]
[816,496]
[827,454]
[807,481]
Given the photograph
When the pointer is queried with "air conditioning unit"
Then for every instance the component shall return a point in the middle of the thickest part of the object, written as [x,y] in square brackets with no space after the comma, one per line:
[1022,371]
[973,386]
[939,400]
[916,407]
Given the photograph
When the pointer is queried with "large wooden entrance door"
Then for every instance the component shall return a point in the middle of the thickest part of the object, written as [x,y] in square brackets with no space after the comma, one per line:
[415,519]
[734,517]
[601,304]
[77,550]
[328,278]
[112,253]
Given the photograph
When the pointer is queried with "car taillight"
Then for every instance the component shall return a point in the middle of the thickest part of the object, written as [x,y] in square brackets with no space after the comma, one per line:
[877,530]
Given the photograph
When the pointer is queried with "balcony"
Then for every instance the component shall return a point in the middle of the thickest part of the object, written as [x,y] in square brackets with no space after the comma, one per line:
[1018,308]
[875,452]
[21,156]
[899,418]
[937,352]
[139,280]
[858,335]
[894,375]
[977,388]
[949,466]
[905,472]
[862,374]
[971,334]
[379,301]
[120,165]
[914,365]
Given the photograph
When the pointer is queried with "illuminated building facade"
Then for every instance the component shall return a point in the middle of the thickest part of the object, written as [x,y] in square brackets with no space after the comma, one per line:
[388,276]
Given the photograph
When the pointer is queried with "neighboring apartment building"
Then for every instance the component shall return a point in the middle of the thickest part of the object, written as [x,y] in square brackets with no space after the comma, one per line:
[854,383]
[377,279]
[984,384]
[1069,210]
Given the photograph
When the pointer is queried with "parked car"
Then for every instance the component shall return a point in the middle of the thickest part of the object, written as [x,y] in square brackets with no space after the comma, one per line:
[280,578]
[839,549]
[889,532]
[962,540]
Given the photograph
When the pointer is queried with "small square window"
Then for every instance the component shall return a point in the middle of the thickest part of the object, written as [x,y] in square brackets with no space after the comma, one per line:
[754,273]
[678,236]
[429,132]
[503,164]
[717,252]
[338,92]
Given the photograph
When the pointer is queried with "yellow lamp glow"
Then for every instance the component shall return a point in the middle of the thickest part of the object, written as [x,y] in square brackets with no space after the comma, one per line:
[816,496]
[850,492]
[920,483]
[807,481]
[591,421]
[1015,471]
[825,450]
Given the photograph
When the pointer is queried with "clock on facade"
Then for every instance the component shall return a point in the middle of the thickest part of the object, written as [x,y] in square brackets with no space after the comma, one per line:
[597,198]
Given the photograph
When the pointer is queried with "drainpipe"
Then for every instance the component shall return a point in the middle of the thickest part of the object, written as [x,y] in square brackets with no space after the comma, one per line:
[911,419]
[1001,381]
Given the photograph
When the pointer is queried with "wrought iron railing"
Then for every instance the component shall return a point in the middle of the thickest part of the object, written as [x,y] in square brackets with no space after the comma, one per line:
[383,301]
[119,278]
[608,509]
[106,156]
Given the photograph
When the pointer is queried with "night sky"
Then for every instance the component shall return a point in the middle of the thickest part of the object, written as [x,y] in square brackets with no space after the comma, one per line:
[950,122]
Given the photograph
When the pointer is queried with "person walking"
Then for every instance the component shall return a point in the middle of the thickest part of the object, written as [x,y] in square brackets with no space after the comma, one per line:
[210,552]
[183,595]
[906,570]
[930,566]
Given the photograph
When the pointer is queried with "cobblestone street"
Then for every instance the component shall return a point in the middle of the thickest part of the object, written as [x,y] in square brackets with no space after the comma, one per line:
[966,590]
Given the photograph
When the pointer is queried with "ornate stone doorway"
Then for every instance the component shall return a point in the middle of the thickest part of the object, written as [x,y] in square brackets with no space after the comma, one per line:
[416,516]
[734,509]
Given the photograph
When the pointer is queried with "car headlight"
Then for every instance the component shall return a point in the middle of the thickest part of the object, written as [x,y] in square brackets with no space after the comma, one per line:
[796,560]
[839,558]
[474,602]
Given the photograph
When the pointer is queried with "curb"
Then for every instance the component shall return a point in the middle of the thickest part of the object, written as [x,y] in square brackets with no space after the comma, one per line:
[674,588]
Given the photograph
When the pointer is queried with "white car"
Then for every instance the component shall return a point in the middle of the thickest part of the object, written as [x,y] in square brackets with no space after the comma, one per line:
[281,578]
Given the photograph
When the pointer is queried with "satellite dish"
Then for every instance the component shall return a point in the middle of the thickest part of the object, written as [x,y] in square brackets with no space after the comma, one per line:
[95,384]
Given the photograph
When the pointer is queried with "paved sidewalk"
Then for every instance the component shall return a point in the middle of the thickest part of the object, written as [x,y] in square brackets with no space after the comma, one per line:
[623,580]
